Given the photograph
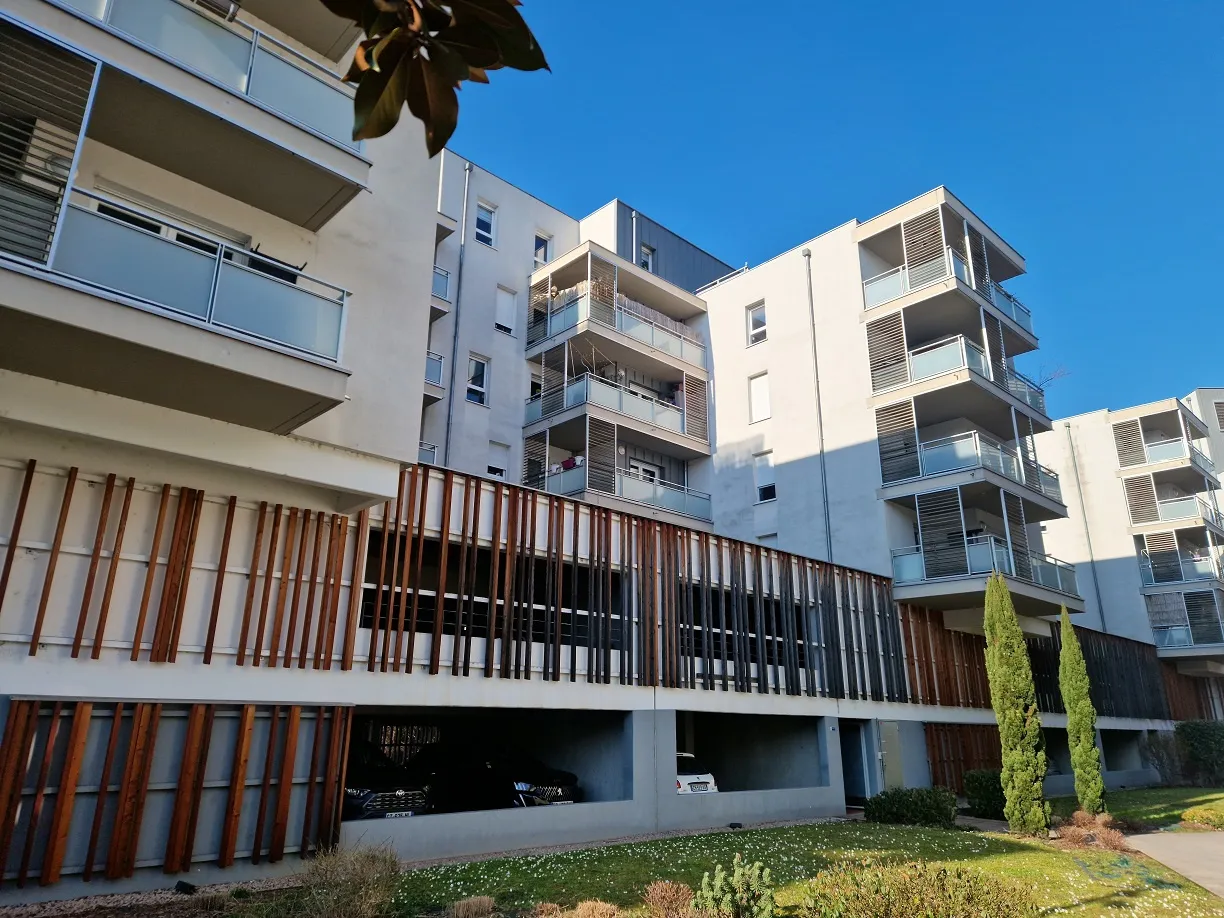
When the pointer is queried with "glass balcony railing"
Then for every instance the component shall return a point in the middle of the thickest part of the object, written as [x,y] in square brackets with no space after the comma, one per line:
[592,390]
[427,453]
[946,356]
[978,450]
[1178,448]
[640,329]
[1172,636]
[1026,390]
[236,56]
[663,494]
[1187,507]
[441,283]
[1012,307]
[983,555]
[566,481]
[137,254]
[1188,568]
[434,364]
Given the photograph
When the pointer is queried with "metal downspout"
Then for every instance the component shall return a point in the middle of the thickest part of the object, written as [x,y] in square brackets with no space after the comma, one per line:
[1079,493]
[450,392]
[824,478]
[633,246]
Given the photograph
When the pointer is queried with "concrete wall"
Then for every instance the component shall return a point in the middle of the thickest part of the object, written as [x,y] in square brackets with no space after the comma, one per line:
[749,752]
[676,259]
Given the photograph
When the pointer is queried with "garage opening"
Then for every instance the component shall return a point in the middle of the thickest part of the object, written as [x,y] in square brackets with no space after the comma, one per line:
[419,761]
[1120,750]
[747,752]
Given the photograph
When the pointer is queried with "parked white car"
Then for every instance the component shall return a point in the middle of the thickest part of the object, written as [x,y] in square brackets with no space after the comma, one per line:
[692,777]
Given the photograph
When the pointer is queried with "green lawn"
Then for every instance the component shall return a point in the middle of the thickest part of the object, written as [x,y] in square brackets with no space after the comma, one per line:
[1074,883]
[1160,806]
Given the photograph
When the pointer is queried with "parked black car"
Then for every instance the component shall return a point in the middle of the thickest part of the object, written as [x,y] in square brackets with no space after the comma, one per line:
[375,787]
[472,777]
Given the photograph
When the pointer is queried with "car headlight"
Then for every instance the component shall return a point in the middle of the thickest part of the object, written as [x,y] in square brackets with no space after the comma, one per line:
[523,786]
[356,791]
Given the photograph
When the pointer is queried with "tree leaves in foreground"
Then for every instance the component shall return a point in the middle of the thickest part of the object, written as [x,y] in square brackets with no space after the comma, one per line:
[418,52]
[1081,720]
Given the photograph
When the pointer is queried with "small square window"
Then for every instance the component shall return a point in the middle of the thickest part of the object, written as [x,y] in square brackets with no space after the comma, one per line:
[756,324]
[646,258]
[537,386]
[763,473]
[543,250]
[486,224]
[495,472]
[758,398]
[478,380]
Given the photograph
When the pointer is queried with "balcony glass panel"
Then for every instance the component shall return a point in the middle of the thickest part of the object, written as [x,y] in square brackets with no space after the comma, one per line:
[250,301]
[1179,508]
[294,92]
[535,410]
[1178,636]
[427,453]
[94,8]
[664,495]
[134,262]
[569,481]
[938,359]
[433,368]
[884,287]
[907,565]
[441,283]
[1168,449]
[948,454]
[188,37]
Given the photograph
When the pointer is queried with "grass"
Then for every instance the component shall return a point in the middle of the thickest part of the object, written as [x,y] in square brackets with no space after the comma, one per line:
[1157,806]
[1078,883]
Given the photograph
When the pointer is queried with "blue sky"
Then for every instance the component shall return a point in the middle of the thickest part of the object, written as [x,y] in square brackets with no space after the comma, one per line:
[1089,134]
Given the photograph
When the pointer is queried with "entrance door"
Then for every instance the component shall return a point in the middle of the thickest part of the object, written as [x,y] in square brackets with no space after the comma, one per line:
[890,753]
[854,761]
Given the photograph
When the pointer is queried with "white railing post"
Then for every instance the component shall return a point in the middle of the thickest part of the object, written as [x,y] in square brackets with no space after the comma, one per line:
[216,282]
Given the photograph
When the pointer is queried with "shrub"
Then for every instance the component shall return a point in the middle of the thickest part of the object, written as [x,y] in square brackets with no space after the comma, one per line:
[910,890]
[1159,749]
[349,883]
[547,910]
[1201,744]
[474,907]
[913,806]
[666,899]
[593,908]
[1081,720]
[1204,816]
[984,789]
[746,892]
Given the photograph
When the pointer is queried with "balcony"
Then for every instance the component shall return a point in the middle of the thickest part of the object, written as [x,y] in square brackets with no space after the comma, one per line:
[593,390]
[683,346]
[1178,448]
[441,283]
[959,353]
[639,489]
[897,282]
[1184,568]
[987,554]
[1189,506]
[427,453]
[136,306]
[435,387]
[1185,620]
[979,450]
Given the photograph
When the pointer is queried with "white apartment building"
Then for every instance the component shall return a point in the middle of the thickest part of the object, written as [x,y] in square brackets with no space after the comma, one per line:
[309,447]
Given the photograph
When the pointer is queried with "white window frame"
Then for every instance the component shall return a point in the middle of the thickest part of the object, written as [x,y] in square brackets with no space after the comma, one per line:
[647,253]
[768,401]
[481,391]
[506,330]
[764,329]
[646,470]
[756,477]
[477,231]
[548,246]
[495,472]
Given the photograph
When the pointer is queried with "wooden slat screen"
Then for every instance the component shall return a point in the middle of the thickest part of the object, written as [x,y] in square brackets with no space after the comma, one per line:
[953,749]
[945,667]
[538,306]
[922,239]
[897,438]
[1163,554]
[886,352]
[942,530]
[1141,499]
[1128,441]
[552,380]
[535,459]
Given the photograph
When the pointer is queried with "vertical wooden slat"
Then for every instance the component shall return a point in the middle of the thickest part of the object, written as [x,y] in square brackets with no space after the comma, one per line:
[308,810]
[140,792]
[219,583]
[53,560]
[15,532]
[310,592]
[269,575]
[416,571]
[197,790]
[125,804]
[266,786]
[356,588]
[20,728]
[410,534]
[189,764]
[65,798]
[509,586]
[333,615]
[435,647]
[325,600]
[282,592]
[170,581]
[40,790]
[95,831]
[150,572]
[346,734]
[295,602]
[252,578]
[461,588]
[494,570]
[396,549]
[180,605]
[284,785]
[237,787]
[379,624]
[94,557]
[112,571]
[331,770]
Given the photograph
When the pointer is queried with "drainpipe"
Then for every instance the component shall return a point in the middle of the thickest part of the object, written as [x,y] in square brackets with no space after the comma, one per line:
[450,392]
[824,478]
[633,246]
[1079,491]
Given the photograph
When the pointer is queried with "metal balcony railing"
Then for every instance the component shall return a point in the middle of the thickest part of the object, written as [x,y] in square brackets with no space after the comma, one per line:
[622,320]
[902,280]
[664,494]
[945,356]
[978,450]
[139,255]
[441,283]
[1026,390]
[427,453]
[983,555]
[1178,448]
[236,56]
[1188,568]
[593,390]
[434,364]
[1187,507]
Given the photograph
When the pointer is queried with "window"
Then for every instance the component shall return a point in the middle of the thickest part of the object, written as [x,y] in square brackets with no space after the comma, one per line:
[507,306]
[543,250]
[537,386]
[495,472]
[758,398]
[763,472]
[647,471]
[486,224]
[646,258]
[756,324]
[499,460]
[478,380]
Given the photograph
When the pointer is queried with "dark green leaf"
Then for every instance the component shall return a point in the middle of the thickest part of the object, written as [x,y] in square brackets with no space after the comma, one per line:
[381,94]
[475,43]
[353,10]
[432,97]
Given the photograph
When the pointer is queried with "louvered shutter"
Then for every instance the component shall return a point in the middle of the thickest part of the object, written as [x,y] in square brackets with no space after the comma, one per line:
[1027,449]
[696,422]
[603,291]
[1219,410]
[1128,441]
[1166,610]
[998,355]
[922,240]
[552,380]
[979,262]
[535,459]
[1018,529]
[1162,553]
[1204,617]
[537,312]
[886,352]
[44,91]
[897,437]
[942,530]
[1141,499]
[601,456]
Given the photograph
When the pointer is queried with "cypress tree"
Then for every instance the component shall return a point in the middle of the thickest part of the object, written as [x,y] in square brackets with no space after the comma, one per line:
[1014,700]
[1081,720]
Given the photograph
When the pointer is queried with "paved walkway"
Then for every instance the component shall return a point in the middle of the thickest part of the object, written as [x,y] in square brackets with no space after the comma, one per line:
[1196,855]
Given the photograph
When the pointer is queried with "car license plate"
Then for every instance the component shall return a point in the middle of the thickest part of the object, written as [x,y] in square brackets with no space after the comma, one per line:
[698,787]
[397,815]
